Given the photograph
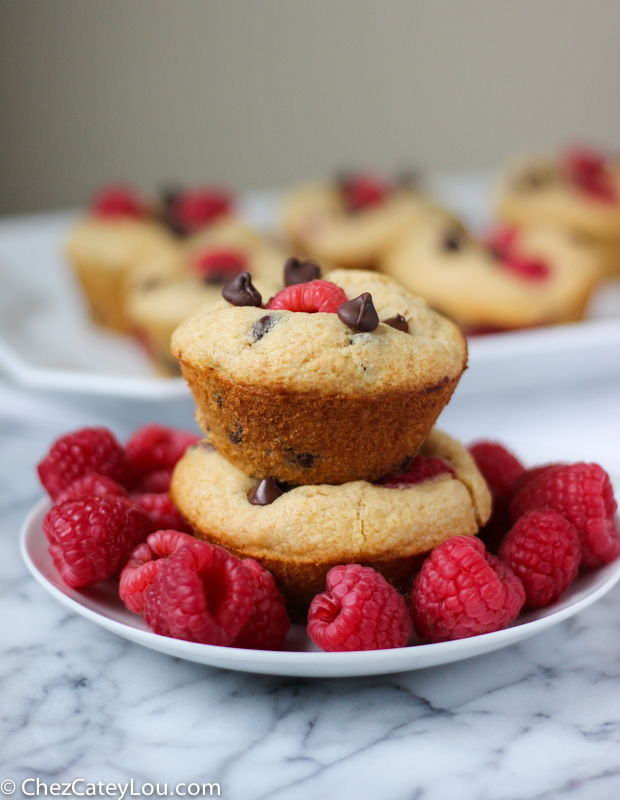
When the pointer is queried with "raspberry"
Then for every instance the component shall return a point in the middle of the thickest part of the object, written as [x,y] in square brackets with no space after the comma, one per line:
[91,485]
[359,611]
[154,482]
[464,591]
[201,593]
[527,475]
[420,469]
[76,454]
[582,493]
[309,298]
[162,512]
[155,447]
[500,469]
[363,191]
[144,563]
[268,624]
[91,538]
[503,243]
[543,551]
[197,209]
[588,172]
[118,201]
[219,265]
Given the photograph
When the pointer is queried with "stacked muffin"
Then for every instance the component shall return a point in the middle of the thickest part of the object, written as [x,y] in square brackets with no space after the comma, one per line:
[318,406]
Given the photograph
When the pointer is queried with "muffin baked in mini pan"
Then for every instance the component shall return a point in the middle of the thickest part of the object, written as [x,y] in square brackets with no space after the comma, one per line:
[577,190]
[521,277]
[170,286]
[307,399]
[349,221]
[307,530]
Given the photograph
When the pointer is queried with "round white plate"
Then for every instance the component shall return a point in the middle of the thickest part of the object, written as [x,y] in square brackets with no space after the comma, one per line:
[102,605]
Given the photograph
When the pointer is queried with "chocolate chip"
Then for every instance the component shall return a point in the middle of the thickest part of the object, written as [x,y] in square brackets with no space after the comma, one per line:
[298,271]
[398,322]
[453,241]
[265,492]
[305,460]
[263,326]
[218,399]
[236,435]
[359,313]
[241,292]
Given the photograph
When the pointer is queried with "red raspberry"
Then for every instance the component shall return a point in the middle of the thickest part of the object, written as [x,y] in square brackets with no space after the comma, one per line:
[162,512]
[199,208]
[201,594]
[588,172]
[500,469]
[218,265]
[543,551]
[76,454]
[91,538]
[464,591]
[359,611]
[527,475]
[144,563]
[154,482]
[268,624]
[91,485]
[364,191]
[419,470]
[309,298]
[583,494]
[155,447]
[118,201]
[504,244]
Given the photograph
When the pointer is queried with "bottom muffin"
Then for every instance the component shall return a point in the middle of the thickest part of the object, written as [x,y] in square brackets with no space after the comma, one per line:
[306,531]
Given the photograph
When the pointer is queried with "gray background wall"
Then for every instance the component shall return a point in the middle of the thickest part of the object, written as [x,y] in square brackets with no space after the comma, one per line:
[257,93]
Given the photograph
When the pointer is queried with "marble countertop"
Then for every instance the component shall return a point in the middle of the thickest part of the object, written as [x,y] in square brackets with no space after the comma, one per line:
[537,720]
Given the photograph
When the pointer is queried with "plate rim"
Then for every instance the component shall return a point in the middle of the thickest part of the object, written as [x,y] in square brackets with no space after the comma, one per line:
[374,662]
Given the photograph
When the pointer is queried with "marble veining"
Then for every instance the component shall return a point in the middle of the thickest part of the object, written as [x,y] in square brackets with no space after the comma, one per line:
[534,721]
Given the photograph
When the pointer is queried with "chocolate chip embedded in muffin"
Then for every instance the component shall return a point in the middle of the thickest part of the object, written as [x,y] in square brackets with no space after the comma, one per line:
[454,240]
[263,326]
[264,493]
[241,292]
[359,313]
[298,271]
[398,322]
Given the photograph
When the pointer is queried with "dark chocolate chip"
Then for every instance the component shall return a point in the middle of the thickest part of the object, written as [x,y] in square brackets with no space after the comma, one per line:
[398,322]
[265,492]
[453,241]
[298,271]
[241,292]
[236,435]
[305,460]
[218,399]
[263,326]
[359,313]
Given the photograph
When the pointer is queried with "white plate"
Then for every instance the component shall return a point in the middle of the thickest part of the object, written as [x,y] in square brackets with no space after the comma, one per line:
[102,605]
[48,342]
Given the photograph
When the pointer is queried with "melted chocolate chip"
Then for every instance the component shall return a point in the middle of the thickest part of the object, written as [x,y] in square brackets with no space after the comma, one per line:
[398,322]
[359,313]
[241,292]
[265,492]
[298,271]
[236,435]
[263,326]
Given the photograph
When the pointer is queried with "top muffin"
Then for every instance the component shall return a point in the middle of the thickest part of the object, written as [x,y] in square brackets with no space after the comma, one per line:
[298,396]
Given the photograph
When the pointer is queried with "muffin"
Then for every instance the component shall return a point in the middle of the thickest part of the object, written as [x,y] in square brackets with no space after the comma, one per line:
[307,530]
[309,398]
[170,287]
[122,231]
[518,278]
[348,222]
[575,190]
